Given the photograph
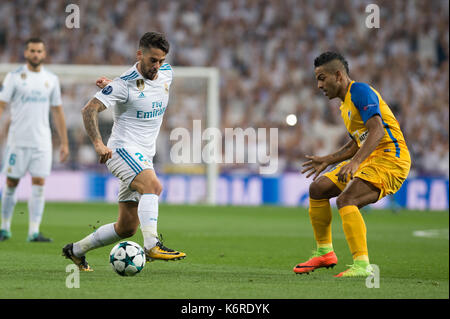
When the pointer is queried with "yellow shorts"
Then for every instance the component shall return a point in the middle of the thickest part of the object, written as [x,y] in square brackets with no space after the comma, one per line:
[386,173]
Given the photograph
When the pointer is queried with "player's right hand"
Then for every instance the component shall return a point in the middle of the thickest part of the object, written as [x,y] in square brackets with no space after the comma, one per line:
[103,152]
[315,165]
[102,82]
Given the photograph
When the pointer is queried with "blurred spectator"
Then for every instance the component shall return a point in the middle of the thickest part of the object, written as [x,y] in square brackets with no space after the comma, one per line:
[265,51]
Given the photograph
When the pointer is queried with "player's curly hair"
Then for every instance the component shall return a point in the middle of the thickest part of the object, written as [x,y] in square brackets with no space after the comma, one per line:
[154,40]
[329,56]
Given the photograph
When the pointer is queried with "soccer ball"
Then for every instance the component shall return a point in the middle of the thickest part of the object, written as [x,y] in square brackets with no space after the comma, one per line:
[127,258]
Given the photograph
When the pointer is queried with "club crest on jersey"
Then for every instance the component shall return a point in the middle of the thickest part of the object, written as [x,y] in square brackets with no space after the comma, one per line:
[140,85]
[23,76]
[166,87]
[46,84]
[107,90]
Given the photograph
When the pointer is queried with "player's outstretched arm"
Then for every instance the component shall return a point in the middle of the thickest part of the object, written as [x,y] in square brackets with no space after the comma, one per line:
[317,164]
[90,119]
[344,153]
[60,126]
[375,134]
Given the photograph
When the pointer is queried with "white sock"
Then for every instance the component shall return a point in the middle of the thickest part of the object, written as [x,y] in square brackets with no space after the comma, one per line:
[35,208]
[148,217]
[9,200]
[103,236]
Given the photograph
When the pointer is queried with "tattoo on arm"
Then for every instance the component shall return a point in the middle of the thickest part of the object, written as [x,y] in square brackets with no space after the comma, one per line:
[342,151]
[90,118]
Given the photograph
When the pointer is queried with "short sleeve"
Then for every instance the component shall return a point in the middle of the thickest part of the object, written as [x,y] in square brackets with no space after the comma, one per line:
[55,95]
[7,89]
[365,100]
[114,92]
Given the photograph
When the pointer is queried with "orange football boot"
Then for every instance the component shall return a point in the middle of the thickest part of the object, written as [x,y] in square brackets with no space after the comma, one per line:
[317,261]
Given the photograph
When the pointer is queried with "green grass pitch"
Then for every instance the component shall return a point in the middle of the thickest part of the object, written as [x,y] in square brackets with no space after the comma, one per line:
[232,252]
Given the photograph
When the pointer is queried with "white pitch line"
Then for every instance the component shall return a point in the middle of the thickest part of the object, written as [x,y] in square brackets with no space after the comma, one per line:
[432,233]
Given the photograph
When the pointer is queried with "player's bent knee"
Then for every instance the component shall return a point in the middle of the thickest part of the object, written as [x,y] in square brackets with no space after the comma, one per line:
[345,199]
[158,188]
[125,232]
[150,189]
[315,190]
[11,182]
[38,181]
[323,188]
[319,190]
[146,184]
[153,187]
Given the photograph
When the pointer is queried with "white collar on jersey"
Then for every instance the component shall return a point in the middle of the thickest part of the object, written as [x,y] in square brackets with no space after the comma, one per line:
[140,76]
[26,69]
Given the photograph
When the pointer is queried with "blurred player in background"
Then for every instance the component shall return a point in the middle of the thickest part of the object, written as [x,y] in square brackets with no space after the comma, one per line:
[373,164]
[139,99]
[32,92]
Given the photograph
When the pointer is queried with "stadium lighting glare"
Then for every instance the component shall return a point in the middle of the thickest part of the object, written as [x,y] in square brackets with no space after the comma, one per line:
[291,119]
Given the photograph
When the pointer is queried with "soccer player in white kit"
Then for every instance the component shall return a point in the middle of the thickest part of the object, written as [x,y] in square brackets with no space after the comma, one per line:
[32,92]
[139,98]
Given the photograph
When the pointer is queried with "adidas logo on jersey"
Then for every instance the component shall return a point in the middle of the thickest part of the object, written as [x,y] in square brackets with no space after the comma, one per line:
[141,95]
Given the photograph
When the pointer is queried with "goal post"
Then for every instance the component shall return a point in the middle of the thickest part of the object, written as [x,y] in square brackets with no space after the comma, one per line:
[72,74]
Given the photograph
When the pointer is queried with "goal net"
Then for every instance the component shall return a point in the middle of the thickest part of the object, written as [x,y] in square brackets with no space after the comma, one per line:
[194,97]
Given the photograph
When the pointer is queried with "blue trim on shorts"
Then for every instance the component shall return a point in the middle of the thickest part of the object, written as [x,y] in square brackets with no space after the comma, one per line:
[132,159]
[125,158]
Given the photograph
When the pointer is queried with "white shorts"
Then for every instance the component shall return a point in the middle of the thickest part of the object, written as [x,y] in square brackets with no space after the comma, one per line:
[19,160]
[126,164]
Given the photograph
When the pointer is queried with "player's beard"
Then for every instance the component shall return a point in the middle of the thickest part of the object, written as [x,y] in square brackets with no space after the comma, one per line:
[35,63]
[152,75]
[147,72]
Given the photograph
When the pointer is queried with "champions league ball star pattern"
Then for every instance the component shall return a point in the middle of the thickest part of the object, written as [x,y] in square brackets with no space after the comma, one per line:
[127,258]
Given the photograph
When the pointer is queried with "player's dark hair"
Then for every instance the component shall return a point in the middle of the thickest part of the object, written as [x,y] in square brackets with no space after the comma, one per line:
[33,40]
[329,56]
[154,40]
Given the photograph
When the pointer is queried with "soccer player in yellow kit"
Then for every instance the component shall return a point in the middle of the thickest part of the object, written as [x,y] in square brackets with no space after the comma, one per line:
[373,164]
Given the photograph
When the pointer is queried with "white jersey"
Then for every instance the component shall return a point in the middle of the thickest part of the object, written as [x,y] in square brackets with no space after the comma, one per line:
[30,95]
[139,105]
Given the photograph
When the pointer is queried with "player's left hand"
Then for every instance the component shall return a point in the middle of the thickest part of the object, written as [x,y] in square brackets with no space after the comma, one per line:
[63,153]
[102,82]
[348,170]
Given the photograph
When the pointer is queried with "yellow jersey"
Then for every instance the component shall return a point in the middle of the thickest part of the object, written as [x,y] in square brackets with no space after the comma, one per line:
[360,104]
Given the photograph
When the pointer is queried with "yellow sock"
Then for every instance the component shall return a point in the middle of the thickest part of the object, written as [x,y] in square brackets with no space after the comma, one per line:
[355,231]
[320,217]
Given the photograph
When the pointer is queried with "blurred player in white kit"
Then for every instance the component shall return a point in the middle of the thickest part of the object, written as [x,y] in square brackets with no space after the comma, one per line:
[139,99]
[32,92]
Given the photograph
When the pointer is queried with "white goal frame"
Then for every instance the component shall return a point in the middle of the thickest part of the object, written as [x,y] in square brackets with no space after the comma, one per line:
[70,72]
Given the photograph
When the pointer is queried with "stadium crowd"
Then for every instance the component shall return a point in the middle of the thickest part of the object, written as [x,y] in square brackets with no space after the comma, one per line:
[265,51]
